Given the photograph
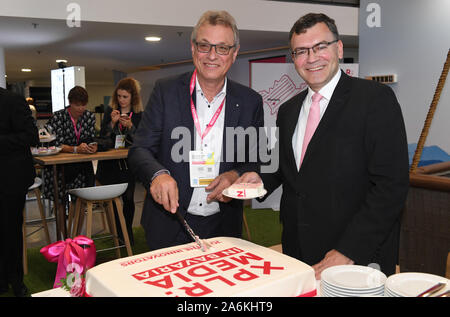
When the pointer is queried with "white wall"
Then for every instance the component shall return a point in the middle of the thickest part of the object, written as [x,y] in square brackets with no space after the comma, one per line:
[412,41]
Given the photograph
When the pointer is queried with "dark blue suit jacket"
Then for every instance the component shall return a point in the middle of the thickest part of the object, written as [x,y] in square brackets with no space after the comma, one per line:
[169,108]
[350,190]
[17,133]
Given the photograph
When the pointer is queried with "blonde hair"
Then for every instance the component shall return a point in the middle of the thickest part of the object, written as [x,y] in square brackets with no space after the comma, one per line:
[133,87]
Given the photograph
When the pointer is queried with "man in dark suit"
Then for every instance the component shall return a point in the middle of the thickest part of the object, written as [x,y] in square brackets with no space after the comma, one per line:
[17,133]
[343,159]
[195,109]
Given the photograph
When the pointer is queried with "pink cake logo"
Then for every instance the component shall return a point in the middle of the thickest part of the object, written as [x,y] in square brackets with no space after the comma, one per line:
[281,91]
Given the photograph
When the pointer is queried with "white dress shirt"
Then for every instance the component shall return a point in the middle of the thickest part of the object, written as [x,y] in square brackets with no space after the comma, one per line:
[299,132]
[212,142]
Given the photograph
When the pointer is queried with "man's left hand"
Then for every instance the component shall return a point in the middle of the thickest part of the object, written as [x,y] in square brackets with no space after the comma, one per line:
[332,258]
[218,185]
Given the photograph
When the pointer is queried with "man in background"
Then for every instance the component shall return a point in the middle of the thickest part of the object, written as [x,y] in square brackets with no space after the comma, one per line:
[17,133]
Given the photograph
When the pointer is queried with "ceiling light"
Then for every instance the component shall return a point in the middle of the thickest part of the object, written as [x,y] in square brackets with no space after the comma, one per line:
[26,70]
[61,61]
[153,38]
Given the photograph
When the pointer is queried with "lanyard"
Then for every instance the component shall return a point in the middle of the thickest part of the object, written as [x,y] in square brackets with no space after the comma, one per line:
[77,132]
[194,112]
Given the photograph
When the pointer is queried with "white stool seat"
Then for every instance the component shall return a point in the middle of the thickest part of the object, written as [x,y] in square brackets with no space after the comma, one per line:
[37,183]
[103,192]
[105,195]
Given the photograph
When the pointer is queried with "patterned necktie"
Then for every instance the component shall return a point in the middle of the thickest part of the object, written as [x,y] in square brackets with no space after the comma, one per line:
[312,123]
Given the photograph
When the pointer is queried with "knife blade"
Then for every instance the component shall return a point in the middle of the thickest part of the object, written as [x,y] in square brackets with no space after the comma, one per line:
[202,244]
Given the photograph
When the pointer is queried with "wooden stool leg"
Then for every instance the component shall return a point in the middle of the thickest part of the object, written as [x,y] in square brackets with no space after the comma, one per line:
[123,225]
[89,219]
[76,218]
[83,211]
[37,192]
[24,244]
[70,218]
[106,214]
[113,227]
[104,217]
[246,226]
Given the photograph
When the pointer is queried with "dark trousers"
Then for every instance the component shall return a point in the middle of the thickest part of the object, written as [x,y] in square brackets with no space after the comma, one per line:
[11,239]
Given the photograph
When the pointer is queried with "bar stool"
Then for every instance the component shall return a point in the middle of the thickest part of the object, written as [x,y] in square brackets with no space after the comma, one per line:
[103,195]
[33,188]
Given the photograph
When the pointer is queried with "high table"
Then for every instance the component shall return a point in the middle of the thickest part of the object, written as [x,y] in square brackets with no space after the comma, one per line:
[58,160]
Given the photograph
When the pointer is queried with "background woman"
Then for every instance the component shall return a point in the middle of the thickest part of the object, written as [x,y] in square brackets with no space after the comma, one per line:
[74,128]
[119,123]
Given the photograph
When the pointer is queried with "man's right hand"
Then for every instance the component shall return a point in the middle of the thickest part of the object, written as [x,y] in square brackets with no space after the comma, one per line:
[164,191]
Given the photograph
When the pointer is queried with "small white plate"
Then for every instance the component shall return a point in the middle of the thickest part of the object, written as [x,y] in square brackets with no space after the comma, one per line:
[411,284]
[261,193]
[36,152]
[353,277]
[47,138]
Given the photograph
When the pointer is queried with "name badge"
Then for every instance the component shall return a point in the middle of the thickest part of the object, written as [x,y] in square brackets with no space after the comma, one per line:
[120,141]
[201,168]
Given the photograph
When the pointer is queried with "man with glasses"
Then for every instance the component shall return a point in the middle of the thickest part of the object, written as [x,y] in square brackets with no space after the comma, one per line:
[343,159]
[195,108]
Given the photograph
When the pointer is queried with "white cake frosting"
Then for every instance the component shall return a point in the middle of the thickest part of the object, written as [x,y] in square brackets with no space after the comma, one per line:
[231,267]
[244,190]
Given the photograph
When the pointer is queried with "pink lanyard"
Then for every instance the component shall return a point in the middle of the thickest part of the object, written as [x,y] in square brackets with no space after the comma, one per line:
[77,133]
[194,112]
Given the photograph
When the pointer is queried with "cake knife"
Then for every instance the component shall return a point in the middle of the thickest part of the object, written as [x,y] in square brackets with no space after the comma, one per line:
[434,289]
[202,244]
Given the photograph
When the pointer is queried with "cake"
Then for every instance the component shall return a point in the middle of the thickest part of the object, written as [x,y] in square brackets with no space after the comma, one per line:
[244,190]
[230,267]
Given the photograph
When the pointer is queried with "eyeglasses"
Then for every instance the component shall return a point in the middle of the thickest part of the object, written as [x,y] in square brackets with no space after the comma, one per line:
[221,49]
[302,52]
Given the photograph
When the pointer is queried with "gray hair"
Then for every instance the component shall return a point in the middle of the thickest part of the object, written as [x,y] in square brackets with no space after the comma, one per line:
[217,18]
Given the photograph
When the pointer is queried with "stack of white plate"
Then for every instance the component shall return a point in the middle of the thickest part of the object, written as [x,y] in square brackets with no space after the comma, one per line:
[352,281]
[412,284]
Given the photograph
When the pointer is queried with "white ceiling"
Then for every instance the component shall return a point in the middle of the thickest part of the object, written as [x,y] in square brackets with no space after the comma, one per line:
[102,47]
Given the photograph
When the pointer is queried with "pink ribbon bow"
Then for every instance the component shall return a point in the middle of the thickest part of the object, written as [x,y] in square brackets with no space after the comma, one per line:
[68,252]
